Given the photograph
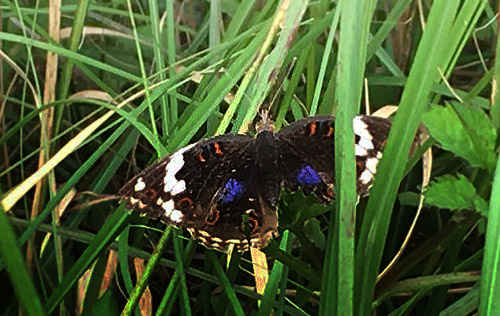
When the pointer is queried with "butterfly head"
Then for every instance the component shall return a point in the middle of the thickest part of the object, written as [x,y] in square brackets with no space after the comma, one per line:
[265,124]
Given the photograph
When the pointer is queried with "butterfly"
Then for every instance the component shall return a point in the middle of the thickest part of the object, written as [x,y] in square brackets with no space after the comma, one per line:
[224,190]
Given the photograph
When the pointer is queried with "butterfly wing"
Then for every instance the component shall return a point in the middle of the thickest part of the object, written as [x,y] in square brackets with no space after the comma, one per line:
[238,214]
[310,154]
[210,189]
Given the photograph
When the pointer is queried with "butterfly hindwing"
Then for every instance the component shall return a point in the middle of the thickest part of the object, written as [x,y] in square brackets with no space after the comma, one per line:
[238,214]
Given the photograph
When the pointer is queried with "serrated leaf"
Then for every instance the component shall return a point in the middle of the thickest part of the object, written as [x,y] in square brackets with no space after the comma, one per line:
[455,193]
[464,130]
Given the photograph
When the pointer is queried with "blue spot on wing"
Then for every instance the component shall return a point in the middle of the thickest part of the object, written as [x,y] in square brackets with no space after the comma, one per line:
[308,177]
[232,191]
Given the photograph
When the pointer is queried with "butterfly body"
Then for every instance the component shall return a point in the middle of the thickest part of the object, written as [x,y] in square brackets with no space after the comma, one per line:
[224,190]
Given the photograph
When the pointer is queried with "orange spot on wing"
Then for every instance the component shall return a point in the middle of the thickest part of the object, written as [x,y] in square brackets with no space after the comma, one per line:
[330,131]
[185,203]
[330,193]
[218,151]
[254,224]
[312,128]
[201,158]
[213,217]
[150,192]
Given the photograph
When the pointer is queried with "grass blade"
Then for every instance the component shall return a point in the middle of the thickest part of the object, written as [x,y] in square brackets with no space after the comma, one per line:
[489,303]
[390,171]
[13,261]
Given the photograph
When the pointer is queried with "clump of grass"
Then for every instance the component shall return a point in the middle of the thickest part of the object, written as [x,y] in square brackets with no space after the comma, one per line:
[94,92]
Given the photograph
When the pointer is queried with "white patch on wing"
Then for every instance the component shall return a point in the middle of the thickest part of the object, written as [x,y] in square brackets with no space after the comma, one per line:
[176,216]
[365,143]
[140,185]
[366,177]
[168,207]
[179,187]
[176,162]
[360,128]
[360,151]
[371,164]
[133,200]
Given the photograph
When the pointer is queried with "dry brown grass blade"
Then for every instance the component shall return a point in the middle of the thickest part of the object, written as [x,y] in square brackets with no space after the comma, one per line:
[83,282]
[260,268]
[47,117]
[110,271]
[146,302]
[63,205]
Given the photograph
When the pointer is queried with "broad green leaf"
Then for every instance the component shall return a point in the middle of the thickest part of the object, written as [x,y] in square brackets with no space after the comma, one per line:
[465,131]
[455,193]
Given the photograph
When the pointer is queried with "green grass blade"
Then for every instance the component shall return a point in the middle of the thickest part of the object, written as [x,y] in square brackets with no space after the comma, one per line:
[106,235]
[226,285]
[13,261]
[69,54]
[179,254]
[489,303]
[172,290]
[400,7]
[466,305]
[143,282]
[158,56]
[324,62]
[338,268]
[390,171]
[171,55]
[70,184]
[269,68]
[275,280]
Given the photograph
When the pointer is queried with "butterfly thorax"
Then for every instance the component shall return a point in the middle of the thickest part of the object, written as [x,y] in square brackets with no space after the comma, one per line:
[267,151]
[267,160]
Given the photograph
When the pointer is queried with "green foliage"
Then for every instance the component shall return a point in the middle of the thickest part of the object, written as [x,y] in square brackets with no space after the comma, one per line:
[137,80]
[455,193]
[105,305]
[464,130]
